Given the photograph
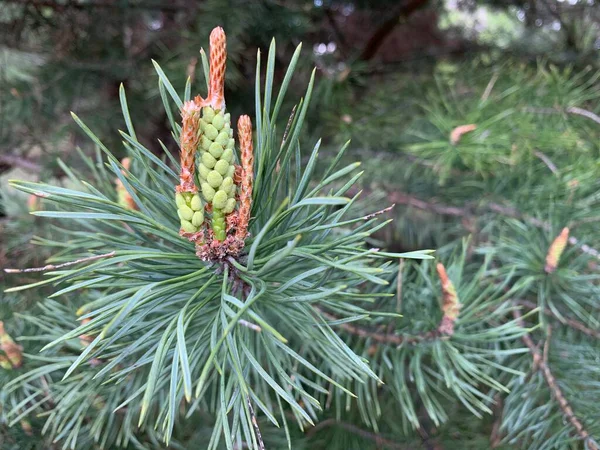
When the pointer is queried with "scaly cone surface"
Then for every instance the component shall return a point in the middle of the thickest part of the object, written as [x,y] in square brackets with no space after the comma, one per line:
[207,140]
[247,176]
[216,168]
[189,205]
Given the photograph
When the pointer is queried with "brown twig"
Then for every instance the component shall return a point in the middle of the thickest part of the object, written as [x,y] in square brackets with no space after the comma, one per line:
[17,161]
[466,212]
[261,444]
[407,199]
[539,360]
[379,440]
[496,435]
[386,338]
[569,322]
[60,266]
[426,440]
[377,213]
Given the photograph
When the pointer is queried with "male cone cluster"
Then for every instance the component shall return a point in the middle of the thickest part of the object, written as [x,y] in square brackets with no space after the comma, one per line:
[216,169]
[190,211]
[211,185]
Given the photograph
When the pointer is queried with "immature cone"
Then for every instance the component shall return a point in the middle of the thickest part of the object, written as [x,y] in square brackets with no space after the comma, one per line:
[190,211]
[450,302]
[247,175]
[189,138]
[216,168]
[189,205]
[26,427]
[457,132]
[13,353]
[85,339]
[556,250]
[218,60]
[33,203]
[124,198]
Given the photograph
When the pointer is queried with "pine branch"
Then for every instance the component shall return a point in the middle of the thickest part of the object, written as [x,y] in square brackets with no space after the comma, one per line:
[16,161]
[407,199]
[466,212]
[569,322]
[540,361]
[379,440]
[382,338]
[388,337]
[496,434]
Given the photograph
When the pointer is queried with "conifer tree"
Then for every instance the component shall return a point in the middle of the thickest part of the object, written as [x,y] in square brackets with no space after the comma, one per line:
[268,316]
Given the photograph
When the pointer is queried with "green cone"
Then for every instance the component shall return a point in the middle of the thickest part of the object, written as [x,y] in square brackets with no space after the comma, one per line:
[190,211]
[216,168]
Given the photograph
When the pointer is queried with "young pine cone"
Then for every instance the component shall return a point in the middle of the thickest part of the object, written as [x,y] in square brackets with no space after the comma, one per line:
[216,168]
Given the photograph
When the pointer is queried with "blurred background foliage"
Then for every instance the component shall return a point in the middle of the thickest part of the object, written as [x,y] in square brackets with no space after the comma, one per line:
[396,77]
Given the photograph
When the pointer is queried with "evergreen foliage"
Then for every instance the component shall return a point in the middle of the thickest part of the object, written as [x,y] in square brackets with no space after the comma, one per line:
[315,329]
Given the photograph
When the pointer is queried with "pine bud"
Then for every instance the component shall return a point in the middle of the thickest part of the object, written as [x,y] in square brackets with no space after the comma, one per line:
[247,175]
[85,339]
[190,135]
[457,132]
[33,203]
[124,198]
[218,60]
[13,353]
[450,302]
[26,427]
[556,250]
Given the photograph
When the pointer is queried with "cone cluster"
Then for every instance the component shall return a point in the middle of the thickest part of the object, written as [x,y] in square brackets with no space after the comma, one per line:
[190,211]
[212,186]
[216,168]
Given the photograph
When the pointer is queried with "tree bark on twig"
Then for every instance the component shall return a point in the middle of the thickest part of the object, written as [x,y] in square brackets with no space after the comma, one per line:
[540,361]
